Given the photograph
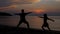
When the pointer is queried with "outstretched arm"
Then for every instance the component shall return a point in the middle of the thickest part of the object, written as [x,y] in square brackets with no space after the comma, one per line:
[28,12]
[40,17]
[51,19]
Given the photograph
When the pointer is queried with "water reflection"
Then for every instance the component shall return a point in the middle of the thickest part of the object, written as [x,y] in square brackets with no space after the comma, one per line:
[34,21]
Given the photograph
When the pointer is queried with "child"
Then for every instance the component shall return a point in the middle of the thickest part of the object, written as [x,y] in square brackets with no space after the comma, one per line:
[45,24]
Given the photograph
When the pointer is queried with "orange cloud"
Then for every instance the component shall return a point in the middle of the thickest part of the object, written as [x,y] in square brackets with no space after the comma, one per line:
[8,8]
[34,1]
[24,1]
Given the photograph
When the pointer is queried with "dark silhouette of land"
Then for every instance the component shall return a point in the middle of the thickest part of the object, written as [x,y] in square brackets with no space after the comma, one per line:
[22,18]
[5,14]
[4,29]
[45,24]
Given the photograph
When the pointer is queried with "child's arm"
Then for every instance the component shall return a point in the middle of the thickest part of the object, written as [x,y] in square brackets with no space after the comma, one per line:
[40,17]
[51,19]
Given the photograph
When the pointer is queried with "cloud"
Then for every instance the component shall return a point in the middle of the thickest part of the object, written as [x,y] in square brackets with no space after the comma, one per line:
[20,2]
[24,1]
[17,5]
[58,0]
[9,2]
[5,3]
[49,5]
[12,7]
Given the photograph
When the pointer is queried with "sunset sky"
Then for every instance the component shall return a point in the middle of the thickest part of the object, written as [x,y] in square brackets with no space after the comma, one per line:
[52,7]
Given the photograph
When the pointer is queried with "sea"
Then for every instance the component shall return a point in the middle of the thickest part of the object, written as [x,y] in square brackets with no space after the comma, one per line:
[34,22]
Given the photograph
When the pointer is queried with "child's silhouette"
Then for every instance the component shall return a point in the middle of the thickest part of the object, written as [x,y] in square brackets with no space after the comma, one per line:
[22,18]
[45,24]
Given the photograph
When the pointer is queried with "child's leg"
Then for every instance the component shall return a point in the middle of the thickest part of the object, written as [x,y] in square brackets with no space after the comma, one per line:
[43,27]
[48,28]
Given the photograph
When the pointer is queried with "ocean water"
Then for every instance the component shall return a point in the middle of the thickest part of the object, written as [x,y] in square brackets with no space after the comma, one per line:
[34,22]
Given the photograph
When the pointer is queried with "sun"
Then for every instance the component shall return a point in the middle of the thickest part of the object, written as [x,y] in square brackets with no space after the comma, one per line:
[38,11]
[36,1]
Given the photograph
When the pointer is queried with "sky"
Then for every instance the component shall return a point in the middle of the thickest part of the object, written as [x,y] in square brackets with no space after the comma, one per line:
[51,7]
[37,7]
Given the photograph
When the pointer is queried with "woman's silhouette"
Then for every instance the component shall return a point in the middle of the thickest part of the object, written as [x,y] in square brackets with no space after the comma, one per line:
[22,18]
[45,24]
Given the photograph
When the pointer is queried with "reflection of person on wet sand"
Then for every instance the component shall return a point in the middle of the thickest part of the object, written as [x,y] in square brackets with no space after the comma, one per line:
[22,18]
[45,24]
